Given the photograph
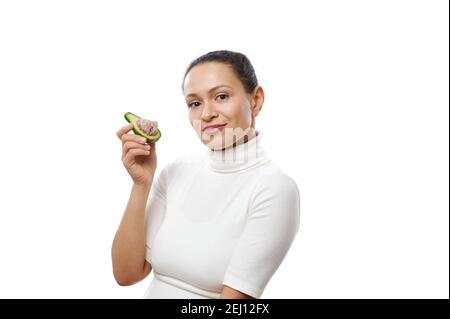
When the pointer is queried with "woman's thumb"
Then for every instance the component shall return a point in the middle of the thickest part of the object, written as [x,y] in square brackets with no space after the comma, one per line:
[152,147]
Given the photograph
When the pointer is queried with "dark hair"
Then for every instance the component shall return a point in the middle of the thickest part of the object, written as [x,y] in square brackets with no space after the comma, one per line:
[239,63]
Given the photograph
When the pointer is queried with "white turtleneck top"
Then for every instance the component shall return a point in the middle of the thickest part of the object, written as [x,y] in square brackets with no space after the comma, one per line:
[224,218]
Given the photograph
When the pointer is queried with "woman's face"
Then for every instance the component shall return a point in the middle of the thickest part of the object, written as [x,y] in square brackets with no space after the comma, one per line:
[216,97]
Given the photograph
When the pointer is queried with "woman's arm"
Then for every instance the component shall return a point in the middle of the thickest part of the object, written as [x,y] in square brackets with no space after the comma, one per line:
[128,248]
[230,293]
[270,229]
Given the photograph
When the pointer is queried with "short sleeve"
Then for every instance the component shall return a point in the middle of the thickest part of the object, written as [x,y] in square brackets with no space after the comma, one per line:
[155,209]
[271,227]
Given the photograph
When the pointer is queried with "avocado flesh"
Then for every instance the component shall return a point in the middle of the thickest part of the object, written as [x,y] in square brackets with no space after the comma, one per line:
[132,119]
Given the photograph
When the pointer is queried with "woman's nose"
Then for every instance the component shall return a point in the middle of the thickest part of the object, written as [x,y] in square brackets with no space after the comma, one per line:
[208,112]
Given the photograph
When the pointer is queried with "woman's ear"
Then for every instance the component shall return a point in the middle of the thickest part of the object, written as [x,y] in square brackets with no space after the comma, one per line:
[257,100]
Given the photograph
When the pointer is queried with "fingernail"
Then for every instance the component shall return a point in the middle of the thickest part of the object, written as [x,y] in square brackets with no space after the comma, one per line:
[143,140]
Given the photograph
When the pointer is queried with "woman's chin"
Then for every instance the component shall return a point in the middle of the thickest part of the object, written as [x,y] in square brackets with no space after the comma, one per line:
[216,142]
[225,139]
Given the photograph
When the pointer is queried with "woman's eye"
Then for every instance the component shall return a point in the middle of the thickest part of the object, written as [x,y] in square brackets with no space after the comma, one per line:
[192,104]
[222,96]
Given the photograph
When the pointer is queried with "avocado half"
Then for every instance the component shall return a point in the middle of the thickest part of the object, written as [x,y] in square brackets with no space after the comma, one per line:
[132,119]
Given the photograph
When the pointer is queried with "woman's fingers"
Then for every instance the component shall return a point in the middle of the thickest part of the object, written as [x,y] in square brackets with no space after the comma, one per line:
[133,138]
[123,130]
[131,145]
[129,158]
[124,137]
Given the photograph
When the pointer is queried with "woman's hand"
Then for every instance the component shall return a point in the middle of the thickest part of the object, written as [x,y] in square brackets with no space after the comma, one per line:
[138,156]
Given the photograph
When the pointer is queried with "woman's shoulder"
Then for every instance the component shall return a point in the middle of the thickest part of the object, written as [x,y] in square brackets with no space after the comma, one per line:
[275,177]
[274,183]
[276,195]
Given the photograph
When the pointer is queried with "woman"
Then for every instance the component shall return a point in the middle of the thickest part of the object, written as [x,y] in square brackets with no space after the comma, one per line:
[210,226]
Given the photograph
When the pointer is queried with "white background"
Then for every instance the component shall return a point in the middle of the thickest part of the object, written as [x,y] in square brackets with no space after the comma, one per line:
[356,111]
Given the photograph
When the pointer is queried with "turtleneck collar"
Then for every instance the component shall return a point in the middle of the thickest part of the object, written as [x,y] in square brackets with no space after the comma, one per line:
[237,158]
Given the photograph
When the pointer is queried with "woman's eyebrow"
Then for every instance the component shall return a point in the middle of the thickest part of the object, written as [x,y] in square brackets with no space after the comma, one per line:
[210,90]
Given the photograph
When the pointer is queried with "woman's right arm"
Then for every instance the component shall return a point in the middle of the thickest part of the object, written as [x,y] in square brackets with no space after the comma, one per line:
[129,246]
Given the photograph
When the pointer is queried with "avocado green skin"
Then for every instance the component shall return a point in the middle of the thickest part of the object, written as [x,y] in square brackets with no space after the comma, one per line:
[151,139]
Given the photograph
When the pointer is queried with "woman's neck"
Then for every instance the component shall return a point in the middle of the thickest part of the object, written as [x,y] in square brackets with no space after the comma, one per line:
[237,157]
[252,133]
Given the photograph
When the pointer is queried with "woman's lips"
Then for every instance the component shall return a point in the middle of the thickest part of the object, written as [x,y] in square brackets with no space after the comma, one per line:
[213,129]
